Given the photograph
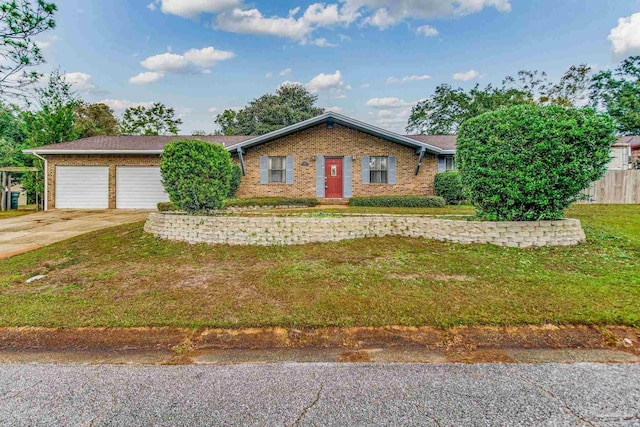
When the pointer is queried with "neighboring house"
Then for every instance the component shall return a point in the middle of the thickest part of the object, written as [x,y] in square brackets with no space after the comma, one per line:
[634,144]
[330,157]
[621,154]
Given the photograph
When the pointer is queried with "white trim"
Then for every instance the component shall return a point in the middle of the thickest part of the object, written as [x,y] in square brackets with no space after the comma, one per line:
[77,151]
[46,182]
[340,119]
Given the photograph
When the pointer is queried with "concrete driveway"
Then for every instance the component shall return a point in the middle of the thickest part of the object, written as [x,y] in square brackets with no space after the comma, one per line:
[28,232]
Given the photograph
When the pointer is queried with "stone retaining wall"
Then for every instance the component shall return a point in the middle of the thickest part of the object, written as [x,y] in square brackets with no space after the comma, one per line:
[291,230]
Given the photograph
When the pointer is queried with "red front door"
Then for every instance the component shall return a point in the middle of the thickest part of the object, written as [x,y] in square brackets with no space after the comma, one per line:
[333,178]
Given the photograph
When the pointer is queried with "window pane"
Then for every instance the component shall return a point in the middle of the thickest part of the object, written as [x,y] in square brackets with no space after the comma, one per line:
[276,176]
[378,163]
[383,177]
[276,163]
[383,163]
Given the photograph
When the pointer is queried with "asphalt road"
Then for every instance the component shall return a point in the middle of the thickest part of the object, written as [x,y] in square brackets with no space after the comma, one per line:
[321,394]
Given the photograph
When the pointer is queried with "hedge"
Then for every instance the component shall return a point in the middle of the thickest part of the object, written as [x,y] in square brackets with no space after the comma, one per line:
[269,201]
[399,201]
[530,162]
[448,185]
[167,207]
[196,174]
[234,184]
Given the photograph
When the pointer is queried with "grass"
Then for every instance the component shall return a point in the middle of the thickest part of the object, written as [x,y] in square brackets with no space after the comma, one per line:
[22,210]
[124,277]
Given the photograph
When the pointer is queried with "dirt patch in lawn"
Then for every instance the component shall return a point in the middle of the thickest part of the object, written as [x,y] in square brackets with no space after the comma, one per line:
[480,343]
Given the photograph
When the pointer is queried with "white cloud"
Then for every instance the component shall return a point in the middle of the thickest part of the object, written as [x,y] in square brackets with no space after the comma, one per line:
[324,15]
[427,31]
[234,16]
[625,38]
[465,76]
[207,57]
[46,41]
[82,82]
[146,77]
[286,72]
[165,62]
[213,110]
[269,75]
[194,8]
[365,85]
[389,12]
[120,105]
[323,43]
[253,22]
[326,81]
[335,109]
[393,80]
[386,103]
[152,6]
[169,62]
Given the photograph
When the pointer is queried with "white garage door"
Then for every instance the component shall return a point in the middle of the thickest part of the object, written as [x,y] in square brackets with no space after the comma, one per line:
[82,187]
[139,187]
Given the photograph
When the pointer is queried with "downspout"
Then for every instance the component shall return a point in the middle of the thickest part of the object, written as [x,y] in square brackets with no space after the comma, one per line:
[46,180]
[422,152]
[239,150]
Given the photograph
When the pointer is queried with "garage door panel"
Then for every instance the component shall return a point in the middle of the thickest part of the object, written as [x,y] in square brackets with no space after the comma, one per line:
[82,187]
[139,187]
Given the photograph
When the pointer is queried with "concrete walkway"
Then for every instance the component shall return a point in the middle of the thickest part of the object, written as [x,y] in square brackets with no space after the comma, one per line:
[583,394]
[28,232]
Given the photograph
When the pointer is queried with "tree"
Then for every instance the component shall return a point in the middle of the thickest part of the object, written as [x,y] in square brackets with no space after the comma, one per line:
[196,174]
[95,119]
[530,162]
[154,120]
[448,108]
[618,92]
[20,22]
[227,122]
[292,103]
[52,123]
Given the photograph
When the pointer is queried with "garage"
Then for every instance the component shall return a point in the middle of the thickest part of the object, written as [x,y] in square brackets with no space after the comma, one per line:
[82,187]
[139,187]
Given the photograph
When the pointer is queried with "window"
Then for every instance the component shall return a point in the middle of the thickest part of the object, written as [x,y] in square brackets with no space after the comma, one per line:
[378,170]
[277,169]
[449,164]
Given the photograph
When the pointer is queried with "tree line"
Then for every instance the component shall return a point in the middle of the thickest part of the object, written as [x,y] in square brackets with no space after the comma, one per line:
[616,92]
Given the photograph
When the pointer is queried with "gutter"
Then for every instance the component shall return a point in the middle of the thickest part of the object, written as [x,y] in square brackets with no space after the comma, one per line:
[36,152]
[46,180]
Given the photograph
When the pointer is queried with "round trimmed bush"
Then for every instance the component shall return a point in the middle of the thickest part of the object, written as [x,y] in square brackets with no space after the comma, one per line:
[196,174]
[530,162]
[448,185]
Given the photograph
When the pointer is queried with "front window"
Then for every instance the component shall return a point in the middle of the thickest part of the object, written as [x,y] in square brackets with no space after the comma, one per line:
[277,169]
[378,168]
[449,164]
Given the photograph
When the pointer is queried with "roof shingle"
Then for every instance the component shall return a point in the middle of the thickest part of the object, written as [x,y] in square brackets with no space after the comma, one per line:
[137,142]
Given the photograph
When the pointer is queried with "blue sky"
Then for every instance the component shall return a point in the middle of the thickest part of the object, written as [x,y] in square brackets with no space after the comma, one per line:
[369,59]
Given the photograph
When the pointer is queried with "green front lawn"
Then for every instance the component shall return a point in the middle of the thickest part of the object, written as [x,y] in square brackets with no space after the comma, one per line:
[123,277]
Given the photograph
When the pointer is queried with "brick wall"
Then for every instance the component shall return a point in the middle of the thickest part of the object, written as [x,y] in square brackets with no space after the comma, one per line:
[290,230]
[339,141]
[95,160]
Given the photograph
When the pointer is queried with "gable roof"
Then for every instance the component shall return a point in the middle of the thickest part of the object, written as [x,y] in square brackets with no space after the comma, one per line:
[142,144]
[335,118]
[129,144]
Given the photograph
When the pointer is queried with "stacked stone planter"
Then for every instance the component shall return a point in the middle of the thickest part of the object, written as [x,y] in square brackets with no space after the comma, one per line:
[292,230]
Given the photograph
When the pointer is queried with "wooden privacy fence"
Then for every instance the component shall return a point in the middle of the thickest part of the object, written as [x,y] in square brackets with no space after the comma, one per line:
[621,186]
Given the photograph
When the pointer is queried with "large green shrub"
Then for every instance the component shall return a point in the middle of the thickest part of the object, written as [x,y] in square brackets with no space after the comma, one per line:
[530,162]
[448,185]
[234,184]
[196,174]
[398,201]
